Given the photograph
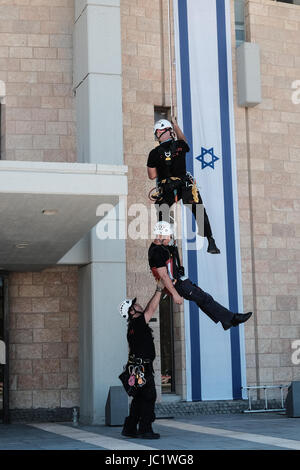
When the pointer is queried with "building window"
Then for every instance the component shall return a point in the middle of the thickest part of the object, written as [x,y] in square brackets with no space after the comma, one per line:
[167,355]
[293,2]
[239,13]
[162,112]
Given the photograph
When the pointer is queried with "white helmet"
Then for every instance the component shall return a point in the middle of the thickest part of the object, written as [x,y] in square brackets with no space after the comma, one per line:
[125,306]
[162,124]
[163,228]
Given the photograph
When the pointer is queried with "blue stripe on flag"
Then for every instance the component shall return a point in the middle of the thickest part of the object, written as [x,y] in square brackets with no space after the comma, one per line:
[191,254]
[228,197]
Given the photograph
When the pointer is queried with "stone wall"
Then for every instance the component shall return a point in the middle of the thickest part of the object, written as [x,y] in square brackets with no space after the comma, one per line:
[146,83]
[36,66]
[268,148]
[44,338]
[36,55]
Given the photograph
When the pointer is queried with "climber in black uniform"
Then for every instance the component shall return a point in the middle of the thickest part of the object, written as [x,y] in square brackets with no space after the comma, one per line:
[167,164]
[165,265]
[141,354]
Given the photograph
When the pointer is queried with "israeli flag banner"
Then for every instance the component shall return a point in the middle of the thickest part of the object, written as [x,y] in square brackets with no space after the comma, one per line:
[215,358]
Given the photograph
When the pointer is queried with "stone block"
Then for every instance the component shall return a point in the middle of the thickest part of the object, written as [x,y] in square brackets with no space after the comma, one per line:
[28,351]
[20,399]
[40,305]
[286,302]
[57,320]
[29,382]
[46,142]
[46,399]
[54,351]
[73,350]
[282,374]
[68,304]
[31,291]
[36,13]
[73,381]
[69,365]
[20,305]
[53,335]
[45,366]
[34,65]
[55,381]
[20,336]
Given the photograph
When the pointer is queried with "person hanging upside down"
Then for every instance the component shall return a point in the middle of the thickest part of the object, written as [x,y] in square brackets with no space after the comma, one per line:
[167,164]
[165,265]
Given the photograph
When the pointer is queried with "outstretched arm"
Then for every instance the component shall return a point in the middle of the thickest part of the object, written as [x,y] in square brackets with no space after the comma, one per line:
[152,305]
[163,273]
[178,131]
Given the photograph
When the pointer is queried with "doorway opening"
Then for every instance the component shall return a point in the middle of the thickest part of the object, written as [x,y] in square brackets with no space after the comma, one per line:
[167,345]
[4,329]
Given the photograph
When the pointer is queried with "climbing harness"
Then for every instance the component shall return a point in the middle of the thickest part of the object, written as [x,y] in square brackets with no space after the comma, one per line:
[136,375]
[174,183]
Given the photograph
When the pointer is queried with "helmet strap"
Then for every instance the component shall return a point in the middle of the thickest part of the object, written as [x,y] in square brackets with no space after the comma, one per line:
[130,316]
[166,130]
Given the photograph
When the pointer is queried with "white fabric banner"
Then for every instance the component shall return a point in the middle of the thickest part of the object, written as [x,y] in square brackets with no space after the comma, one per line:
[215,358]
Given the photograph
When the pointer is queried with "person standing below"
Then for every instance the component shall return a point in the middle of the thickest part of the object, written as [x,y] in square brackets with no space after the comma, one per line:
[167,164]
[141,354]
[165,266]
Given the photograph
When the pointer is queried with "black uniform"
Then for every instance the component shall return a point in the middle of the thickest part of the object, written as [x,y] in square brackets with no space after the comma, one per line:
[141,351]
[177,166]
[160,256]
[169,160]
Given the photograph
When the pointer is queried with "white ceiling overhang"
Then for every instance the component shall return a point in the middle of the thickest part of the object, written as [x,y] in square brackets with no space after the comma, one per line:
[31,240]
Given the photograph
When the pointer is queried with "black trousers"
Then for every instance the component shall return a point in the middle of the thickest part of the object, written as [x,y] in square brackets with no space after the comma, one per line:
[205,301]
[168,199]
[143,405]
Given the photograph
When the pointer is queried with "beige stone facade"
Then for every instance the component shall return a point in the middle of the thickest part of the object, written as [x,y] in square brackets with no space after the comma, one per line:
[36,55]
[36,66]
[267,146]
[268,173]
[44,338]
[146,84]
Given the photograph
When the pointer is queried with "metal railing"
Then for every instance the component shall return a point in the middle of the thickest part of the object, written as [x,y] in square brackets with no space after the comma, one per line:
[265,388]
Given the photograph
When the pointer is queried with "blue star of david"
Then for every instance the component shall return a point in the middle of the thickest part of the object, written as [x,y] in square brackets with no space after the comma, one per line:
[205,163]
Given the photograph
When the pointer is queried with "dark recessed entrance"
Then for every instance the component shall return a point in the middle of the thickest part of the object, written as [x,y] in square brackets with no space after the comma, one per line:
[4,363]
[167,345]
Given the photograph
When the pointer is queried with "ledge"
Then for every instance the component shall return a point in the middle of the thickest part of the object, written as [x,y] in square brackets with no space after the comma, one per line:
[71,191]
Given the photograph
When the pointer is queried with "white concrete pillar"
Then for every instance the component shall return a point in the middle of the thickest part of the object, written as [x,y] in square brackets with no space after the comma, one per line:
[98,81]
[103,346]
[102,281]
[2,352]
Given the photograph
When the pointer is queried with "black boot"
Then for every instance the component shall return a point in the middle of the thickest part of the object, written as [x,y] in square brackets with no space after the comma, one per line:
[129,428]
[239,318]
[149,435]
[226,326]
[212,247]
